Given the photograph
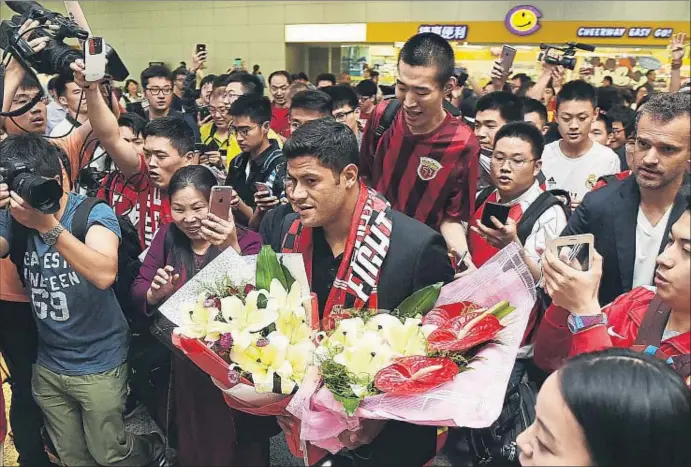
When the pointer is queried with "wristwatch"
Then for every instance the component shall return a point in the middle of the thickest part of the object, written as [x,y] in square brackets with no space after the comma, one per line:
[580,323]
[50,238]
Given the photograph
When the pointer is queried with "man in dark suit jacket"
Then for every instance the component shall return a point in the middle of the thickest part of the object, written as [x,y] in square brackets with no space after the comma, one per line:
[400,253]
[658,186]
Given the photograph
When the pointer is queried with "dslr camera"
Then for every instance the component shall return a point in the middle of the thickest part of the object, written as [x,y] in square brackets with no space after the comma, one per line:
[41,193]
[57,56]
[562,55]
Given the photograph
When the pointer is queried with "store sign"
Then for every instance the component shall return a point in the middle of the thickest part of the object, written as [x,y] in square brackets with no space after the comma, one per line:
[523,20]
[448,32]
[638,32]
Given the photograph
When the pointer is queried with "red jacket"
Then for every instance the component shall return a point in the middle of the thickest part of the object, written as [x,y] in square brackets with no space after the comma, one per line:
[554,342]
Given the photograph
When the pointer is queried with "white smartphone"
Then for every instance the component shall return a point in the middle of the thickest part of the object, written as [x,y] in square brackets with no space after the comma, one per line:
[508,54]
[574,250]
[95,58]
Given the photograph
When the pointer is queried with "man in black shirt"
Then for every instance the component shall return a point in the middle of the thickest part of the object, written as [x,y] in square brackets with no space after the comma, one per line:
[345,232]
[257,175]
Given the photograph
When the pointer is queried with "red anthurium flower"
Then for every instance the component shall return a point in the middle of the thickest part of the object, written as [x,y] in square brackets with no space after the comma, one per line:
[465,332]
[415,375]
[442,314]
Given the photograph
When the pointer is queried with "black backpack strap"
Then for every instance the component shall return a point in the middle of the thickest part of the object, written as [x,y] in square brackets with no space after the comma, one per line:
[541,179]
[65,161]
[452,109]
[80,221]
[543,202]
[270,161]
[483,195]
[20,238]
[386,120]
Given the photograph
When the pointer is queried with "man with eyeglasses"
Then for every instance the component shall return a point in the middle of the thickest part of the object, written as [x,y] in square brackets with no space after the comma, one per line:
[279,81]
[345,108]
[623,126]
[257,175]
[157,81]
[514,166]
[367,99]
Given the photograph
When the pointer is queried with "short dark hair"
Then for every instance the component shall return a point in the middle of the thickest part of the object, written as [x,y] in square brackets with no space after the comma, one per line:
[181,70]
[61,84]
[29,82]
[664,107]
[279,73]
[525,132]
[522,77]
[626,116]
[373,73]
[331,142]
[508,105]
[366,88]
[256,107]
[606,119]
[608,97]
[577,90]
[34,151]
[156,71]
[608,78]
[316,100]
[250,83]
[649,71]
[633,408]
[52,83]
[327,77]
[206,80]
[342,95]
[301,75]
[535,106]
[175,130]
[134,122]
[427,50]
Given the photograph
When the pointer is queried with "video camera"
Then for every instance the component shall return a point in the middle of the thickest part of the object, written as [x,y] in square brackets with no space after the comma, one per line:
[56,57]
[41,193]
[562,55]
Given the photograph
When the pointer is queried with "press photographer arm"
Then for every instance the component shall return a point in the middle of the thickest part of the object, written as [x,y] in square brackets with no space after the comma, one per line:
[105,125]
[96,259]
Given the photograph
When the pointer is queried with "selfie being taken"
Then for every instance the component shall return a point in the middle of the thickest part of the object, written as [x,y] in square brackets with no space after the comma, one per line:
[345,234]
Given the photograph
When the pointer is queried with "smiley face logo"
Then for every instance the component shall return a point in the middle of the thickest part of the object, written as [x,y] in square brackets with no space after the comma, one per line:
[523,20]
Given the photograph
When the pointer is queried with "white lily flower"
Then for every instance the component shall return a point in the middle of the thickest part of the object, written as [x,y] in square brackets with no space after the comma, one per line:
[408,339]
[194,320]
[348,333]
[247,316]
[368,356]
[263,362]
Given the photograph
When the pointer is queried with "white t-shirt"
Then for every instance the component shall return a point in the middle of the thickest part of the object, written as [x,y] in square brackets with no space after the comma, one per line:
[578,175]
[99,159]
[648,241]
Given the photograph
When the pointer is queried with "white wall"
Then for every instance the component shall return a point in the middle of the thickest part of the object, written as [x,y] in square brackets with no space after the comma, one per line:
[144,31]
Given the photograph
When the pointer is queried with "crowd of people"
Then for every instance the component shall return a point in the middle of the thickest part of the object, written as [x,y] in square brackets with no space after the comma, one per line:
[609,344]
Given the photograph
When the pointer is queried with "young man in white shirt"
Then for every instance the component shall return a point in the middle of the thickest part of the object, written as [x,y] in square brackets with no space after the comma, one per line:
[575,162]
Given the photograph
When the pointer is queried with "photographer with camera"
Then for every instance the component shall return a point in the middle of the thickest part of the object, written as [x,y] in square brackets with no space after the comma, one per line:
[80,376]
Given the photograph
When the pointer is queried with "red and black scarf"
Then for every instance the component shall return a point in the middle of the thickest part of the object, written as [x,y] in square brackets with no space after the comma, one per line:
[368,243]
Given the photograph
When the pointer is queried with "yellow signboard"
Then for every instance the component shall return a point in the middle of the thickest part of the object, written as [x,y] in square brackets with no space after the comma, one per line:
[615,33]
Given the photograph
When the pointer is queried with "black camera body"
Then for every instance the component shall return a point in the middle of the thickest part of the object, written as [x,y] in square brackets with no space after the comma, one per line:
[41,193]
[57,56]
[562,55]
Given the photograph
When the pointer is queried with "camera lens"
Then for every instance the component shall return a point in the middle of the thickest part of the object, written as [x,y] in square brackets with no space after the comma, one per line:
[42,194]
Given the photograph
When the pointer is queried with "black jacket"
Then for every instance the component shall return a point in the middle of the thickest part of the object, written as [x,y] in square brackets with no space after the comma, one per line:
[417,257]
[610,214]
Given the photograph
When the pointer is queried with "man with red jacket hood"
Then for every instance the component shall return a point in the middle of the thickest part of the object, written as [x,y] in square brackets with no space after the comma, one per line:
[656,320]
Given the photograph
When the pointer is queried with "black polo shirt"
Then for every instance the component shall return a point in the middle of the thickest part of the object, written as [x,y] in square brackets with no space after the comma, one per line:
[268,168]
[324,268]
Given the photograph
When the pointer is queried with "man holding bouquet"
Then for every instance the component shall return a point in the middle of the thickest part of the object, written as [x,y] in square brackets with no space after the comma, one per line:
[358,253]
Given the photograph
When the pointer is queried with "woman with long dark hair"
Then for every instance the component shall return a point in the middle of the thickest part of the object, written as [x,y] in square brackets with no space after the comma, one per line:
[204,425]
[610,408]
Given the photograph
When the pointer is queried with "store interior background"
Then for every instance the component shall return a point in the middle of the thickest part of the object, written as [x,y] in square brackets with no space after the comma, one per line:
[166,31]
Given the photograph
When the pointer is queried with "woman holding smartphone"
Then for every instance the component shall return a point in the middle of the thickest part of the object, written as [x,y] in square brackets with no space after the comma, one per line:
[205,426]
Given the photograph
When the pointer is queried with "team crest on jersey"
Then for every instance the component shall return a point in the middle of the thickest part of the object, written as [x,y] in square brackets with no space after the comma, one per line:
[591,181]
[428,168]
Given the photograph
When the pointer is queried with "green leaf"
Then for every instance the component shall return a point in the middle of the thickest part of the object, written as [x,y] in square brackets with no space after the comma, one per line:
[268,268]
[262,302]
[420,303]
[350,404]
[290,280]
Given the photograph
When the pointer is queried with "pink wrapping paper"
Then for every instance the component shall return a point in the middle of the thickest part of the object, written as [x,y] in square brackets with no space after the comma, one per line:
[473,399]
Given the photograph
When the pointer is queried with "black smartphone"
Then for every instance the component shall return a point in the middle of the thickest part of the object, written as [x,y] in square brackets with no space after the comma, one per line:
[201,48]
[200,148]
[203,113]
[499,211]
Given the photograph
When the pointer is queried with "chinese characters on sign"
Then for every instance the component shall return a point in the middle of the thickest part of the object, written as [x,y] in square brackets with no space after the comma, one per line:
[450,33]
[659,33]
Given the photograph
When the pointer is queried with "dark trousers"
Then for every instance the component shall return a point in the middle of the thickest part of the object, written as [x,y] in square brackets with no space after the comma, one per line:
[18,342]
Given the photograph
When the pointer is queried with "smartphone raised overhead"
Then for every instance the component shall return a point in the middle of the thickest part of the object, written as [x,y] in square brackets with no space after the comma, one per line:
[219,203]
[201,48]
[508,55]
[499,211]
[237,63]
[574,250]
[94,58]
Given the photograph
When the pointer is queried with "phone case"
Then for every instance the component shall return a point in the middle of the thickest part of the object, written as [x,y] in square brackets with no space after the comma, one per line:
[219,204]
[584,239]
[497,210]
[508,55]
